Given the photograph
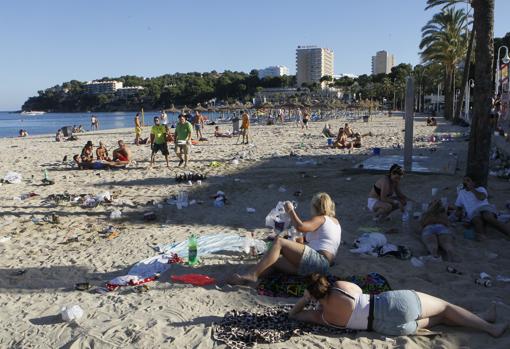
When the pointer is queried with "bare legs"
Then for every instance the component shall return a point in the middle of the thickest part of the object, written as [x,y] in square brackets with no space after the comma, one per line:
[487,218]
[382,210]
[291,253]
[444,241]
[437,311]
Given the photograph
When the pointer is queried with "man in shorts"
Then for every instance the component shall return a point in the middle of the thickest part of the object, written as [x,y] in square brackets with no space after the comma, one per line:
[473,200]
[158,141]
[198,123]
[183,132]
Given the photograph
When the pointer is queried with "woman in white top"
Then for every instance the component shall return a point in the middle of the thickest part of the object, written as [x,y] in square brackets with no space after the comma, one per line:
[322,234]
[474,201]
[392,313]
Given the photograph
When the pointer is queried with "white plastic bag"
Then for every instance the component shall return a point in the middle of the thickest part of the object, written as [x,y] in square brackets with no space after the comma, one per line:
[12,177]
[278,218]
[115,215]
[71,313]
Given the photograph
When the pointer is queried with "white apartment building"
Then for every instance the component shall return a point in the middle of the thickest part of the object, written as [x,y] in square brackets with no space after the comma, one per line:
[382,63]
[99,87]
[273,72]
[312,63]
[129,91]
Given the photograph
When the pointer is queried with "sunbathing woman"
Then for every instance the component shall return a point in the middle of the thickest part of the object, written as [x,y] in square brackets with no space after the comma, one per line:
[218,133]
[391,313]
[322,234]
[436,232]
[87,153]
[385,195]
[341,141]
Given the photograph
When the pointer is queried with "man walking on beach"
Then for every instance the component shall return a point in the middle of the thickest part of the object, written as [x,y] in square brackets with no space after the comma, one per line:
[158,141]
[138,129]
[183,132]
[245,126]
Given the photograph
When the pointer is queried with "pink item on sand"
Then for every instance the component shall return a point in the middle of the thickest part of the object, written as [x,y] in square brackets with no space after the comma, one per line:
[194,279]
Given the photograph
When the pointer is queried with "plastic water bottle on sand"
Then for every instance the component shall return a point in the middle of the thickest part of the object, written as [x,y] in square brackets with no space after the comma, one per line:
[192,250]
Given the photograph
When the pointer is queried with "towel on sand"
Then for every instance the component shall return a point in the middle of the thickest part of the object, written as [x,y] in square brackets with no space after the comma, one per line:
[282,285]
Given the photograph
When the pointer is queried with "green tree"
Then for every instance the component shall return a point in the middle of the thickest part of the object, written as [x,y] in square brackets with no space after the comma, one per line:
[444,42]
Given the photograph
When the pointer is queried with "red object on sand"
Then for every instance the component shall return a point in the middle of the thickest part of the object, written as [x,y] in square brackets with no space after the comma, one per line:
[194,279]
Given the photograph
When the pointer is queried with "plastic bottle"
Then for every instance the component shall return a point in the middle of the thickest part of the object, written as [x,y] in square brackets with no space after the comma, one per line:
[46,177]
[192,250]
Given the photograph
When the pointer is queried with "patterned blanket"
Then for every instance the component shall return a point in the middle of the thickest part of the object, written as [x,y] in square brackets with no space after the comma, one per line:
[282,285]
[242,329]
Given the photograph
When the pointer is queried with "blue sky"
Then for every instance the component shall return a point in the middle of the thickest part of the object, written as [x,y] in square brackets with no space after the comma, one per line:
[44,43]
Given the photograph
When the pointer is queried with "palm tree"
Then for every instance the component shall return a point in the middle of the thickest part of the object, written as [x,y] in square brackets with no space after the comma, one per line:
[481,131]
[444,42]
[467,62]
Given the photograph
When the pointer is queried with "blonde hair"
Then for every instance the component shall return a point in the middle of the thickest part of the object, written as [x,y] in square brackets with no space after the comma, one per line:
[323,205]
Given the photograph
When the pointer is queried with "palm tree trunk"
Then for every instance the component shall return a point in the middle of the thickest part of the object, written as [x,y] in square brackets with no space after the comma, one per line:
[465,77]
[480,138]
[448,95]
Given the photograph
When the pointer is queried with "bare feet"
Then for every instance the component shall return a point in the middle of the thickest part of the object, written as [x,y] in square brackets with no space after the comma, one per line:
[245,279]
[490,314]
[496,330]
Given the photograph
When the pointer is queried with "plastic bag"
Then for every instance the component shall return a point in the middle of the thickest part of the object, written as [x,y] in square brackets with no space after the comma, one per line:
[194,279]
[12,177]
[277,218]
[71,313]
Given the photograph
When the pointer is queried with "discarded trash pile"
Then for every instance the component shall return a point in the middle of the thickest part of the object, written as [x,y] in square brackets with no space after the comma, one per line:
[500,164]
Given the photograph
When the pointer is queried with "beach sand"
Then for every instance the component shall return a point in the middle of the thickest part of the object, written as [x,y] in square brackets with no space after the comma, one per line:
[176,315]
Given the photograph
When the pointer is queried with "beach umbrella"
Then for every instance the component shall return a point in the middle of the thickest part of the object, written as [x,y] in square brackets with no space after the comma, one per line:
[172,109]
[200,108]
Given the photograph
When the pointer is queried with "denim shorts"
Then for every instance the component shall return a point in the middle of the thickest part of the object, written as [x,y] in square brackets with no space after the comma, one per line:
[396,312]
[313,262]
[435,229]
[484,208]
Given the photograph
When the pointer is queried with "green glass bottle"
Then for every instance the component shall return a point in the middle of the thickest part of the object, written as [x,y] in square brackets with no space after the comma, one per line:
[192,250]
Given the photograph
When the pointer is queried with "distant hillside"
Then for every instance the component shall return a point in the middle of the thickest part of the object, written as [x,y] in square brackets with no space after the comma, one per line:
[157,93]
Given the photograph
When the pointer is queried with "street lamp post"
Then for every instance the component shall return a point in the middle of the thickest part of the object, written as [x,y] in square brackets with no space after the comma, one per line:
[506,60]
[437,100]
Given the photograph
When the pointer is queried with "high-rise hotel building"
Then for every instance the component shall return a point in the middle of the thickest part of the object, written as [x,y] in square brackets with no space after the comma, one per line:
[382,63]
[312,63]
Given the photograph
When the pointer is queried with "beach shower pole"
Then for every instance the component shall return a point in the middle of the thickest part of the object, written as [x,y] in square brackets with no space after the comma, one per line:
[409,114]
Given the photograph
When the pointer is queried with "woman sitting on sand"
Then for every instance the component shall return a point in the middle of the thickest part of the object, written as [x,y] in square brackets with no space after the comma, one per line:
[391,313]
[385,195]
[436,232]
[327,132]
[87,152]
[341,141]
[102,152]
[322,234]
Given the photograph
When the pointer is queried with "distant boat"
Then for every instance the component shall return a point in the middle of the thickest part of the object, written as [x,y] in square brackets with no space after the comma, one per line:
[33,113]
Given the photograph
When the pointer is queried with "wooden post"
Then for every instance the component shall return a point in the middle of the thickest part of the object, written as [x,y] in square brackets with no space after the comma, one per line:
[143,119]
[408,139]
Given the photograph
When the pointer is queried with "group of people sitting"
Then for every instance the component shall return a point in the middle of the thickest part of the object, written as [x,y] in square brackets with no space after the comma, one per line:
[121,157]
[343,304]
[345,139]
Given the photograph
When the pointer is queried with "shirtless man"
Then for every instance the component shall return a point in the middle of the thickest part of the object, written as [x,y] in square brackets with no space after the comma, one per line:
[218,133]
[102,152]
[94,122]
[122,155]
[198,124]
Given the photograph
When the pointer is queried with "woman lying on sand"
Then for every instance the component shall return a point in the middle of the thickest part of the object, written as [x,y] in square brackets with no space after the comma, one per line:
[436,232]
[385,196]
[322,234]
[392,313]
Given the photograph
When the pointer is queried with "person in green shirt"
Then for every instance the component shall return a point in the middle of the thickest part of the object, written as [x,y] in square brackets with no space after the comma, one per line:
[158,141]
[183,131]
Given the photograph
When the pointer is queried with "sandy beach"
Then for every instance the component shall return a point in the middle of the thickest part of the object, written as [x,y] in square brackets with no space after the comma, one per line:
[38,269]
